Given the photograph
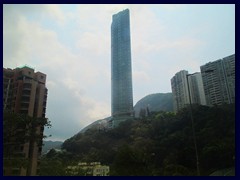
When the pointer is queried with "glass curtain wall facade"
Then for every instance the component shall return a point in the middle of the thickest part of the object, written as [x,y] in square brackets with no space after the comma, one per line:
[121,68]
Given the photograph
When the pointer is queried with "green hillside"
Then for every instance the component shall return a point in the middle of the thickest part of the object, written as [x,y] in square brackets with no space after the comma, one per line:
[95,125]
[47,145]
[158,145]
[155,102]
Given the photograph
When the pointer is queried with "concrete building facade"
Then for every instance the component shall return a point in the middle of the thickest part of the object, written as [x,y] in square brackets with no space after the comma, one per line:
[121,68]
[25,92]
[179,84]
[197,93]
[219,81]
[180,90]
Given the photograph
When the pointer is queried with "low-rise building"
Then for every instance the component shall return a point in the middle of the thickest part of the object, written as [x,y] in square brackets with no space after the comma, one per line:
[88,169]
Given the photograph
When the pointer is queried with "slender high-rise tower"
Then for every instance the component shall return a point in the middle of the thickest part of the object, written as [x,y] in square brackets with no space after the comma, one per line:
[122,95]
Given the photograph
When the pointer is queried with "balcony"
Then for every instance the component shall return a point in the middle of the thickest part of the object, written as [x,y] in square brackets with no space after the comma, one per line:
[24,111]
[27,87]
[25,99]
[24,105]
[26,90]
[26,93]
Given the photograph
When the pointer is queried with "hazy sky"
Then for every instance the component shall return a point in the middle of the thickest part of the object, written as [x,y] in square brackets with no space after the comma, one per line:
[71,44]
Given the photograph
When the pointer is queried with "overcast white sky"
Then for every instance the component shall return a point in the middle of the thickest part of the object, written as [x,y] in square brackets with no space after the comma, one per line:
[71,44]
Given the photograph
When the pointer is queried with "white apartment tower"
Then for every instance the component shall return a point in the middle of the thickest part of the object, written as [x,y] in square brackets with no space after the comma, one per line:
[196,89]
[180,90]
[179,84]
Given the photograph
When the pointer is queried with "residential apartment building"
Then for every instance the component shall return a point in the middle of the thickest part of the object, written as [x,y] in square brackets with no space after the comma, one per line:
[121,68]
[219,81]
[196,88]
[25,92]
[181,91]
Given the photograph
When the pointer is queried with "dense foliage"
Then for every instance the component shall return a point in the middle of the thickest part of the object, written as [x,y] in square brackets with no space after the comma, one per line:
[160,144]
[19,129]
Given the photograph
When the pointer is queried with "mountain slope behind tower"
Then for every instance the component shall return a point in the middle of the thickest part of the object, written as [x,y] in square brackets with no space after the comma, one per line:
[155,102]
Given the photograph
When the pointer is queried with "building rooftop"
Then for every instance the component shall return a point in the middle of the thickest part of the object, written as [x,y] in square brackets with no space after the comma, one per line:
[25,66]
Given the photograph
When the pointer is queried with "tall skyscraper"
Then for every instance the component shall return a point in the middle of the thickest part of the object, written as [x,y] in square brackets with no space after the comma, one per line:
[219,81]
[181,93]
[25,92]
[121,68]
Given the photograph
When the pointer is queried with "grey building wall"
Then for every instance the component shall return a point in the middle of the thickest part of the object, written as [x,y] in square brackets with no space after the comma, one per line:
[196,89]
[229,71]
[180,90]
[181,93]
[121,68]
[219,81]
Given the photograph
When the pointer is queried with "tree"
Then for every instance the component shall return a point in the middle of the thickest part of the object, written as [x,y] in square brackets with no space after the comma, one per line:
[162,144]
[142,113]
[128,162]
[19,129]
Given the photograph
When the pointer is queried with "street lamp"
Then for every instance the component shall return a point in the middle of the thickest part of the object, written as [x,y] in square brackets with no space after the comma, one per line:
[193,129]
